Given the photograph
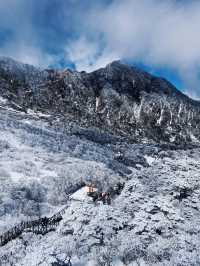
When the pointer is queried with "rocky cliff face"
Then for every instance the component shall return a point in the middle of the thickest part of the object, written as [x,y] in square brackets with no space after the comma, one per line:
[120,99]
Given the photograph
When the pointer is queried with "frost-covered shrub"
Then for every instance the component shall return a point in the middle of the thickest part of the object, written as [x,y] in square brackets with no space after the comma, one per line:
[131,248]
[104,256]
[32,190]
[26,168]
[58,190]
[23,198]
[4,173]
[64,252]
[7,205]
[4,145]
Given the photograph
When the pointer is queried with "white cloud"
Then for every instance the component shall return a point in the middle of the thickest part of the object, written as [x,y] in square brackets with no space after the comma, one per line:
[163,32]
[87,55]
[28,54]
[16,16]
[160,33]
[156,32]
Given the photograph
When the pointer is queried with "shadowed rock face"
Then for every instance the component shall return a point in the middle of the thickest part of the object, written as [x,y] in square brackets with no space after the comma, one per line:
[120,99]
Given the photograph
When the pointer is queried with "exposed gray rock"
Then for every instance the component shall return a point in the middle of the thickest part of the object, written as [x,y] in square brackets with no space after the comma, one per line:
[118,99]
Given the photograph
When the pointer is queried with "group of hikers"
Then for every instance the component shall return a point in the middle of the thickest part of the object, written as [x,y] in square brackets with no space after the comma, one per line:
[105,197]
[102,196]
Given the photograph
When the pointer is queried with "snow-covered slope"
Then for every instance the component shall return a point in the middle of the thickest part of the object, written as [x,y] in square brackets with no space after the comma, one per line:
[81,127]
[39,165]
[23,72]
[154,221]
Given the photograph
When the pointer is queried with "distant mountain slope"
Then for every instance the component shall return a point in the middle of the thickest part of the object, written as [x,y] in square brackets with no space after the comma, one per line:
[120,99]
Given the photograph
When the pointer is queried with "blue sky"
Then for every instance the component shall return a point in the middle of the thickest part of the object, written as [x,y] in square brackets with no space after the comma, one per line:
[159,35]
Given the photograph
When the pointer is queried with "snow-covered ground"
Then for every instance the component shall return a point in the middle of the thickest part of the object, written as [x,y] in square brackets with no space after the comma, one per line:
[38,165]
[80,194]
[150,160]
[154,221]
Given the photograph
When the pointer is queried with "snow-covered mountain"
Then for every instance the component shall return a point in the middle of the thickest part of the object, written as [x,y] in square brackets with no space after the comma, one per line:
[117,125]
[119,99]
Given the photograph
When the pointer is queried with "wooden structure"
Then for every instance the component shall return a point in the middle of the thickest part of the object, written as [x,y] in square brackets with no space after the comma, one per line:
[40,226]
[47,224]
[93,191]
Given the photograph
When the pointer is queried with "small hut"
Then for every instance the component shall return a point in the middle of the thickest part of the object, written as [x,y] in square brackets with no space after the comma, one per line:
[91,188]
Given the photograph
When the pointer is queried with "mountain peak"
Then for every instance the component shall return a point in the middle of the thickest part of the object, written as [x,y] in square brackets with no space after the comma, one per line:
[116,63]
[119,98]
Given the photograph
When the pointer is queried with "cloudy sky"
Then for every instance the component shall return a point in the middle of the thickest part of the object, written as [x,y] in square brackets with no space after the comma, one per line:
[161,36]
